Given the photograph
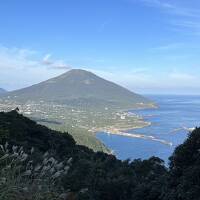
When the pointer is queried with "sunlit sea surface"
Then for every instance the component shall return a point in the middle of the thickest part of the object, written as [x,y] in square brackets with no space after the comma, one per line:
[169,122]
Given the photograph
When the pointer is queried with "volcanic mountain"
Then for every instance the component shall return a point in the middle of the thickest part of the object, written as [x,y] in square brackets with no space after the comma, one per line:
[80,88]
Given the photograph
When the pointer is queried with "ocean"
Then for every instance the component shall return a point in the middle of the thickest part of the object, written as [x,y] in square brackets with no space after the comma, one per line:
[170,122]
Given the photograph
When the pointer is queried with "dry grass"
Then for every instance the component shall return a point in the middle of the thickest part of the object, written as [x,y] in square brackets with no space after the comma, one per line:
[22,179]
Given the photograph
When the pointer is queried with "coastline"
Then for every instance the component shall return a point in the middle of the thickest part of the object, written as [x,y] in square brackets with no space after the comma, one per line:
[115,131]
[124,132]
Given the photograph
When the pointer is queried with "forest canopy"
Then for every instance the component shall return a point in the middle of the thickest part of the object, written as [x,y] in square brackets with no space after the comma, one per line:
[84,174]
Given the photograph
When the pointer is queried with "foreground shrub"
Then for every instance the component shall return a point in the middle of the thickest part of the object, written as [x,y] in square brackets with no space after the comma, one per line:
[21,178]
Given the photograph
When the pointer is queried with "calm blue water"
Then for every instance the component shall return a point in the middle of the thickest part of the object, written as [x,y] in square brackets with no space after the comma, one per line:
[174,112]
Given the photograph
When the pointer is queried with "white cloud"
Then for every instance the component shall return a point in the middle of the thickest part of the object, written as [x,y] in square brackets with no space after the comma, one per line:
[183,77]
[183,17]
[173,8]
[23,67]
[46,59]
[159,3]
[54,64]
[193,26]
[15,58]
[168,47]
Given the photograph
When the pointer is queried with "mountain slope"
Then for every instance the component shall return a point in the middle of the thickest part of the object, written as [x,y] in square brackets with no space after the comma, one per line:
[80,87]
[2,91]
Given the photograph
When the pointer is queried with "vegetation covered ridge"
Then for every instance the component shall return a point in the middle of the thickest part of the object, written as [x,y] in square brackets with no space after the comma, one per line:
[84,174]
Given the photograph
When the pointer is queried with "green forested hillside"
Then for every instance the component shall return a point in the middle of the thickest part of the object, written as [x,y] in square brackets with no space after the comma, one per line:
[99,176]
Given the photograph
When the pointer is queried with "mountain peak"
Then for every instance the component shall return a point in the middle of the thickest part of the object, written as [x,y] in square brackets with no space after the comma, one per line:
[81,87]
[78,71]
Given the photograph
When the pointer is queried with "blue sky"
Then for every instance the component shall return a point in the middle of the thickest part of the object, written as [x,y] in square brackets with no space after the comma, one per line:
[148,46]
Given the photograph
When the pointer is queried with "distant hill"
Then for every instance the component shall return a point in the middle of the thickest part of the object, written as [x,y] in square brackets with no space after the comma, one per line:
[79,87]
[2,91]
